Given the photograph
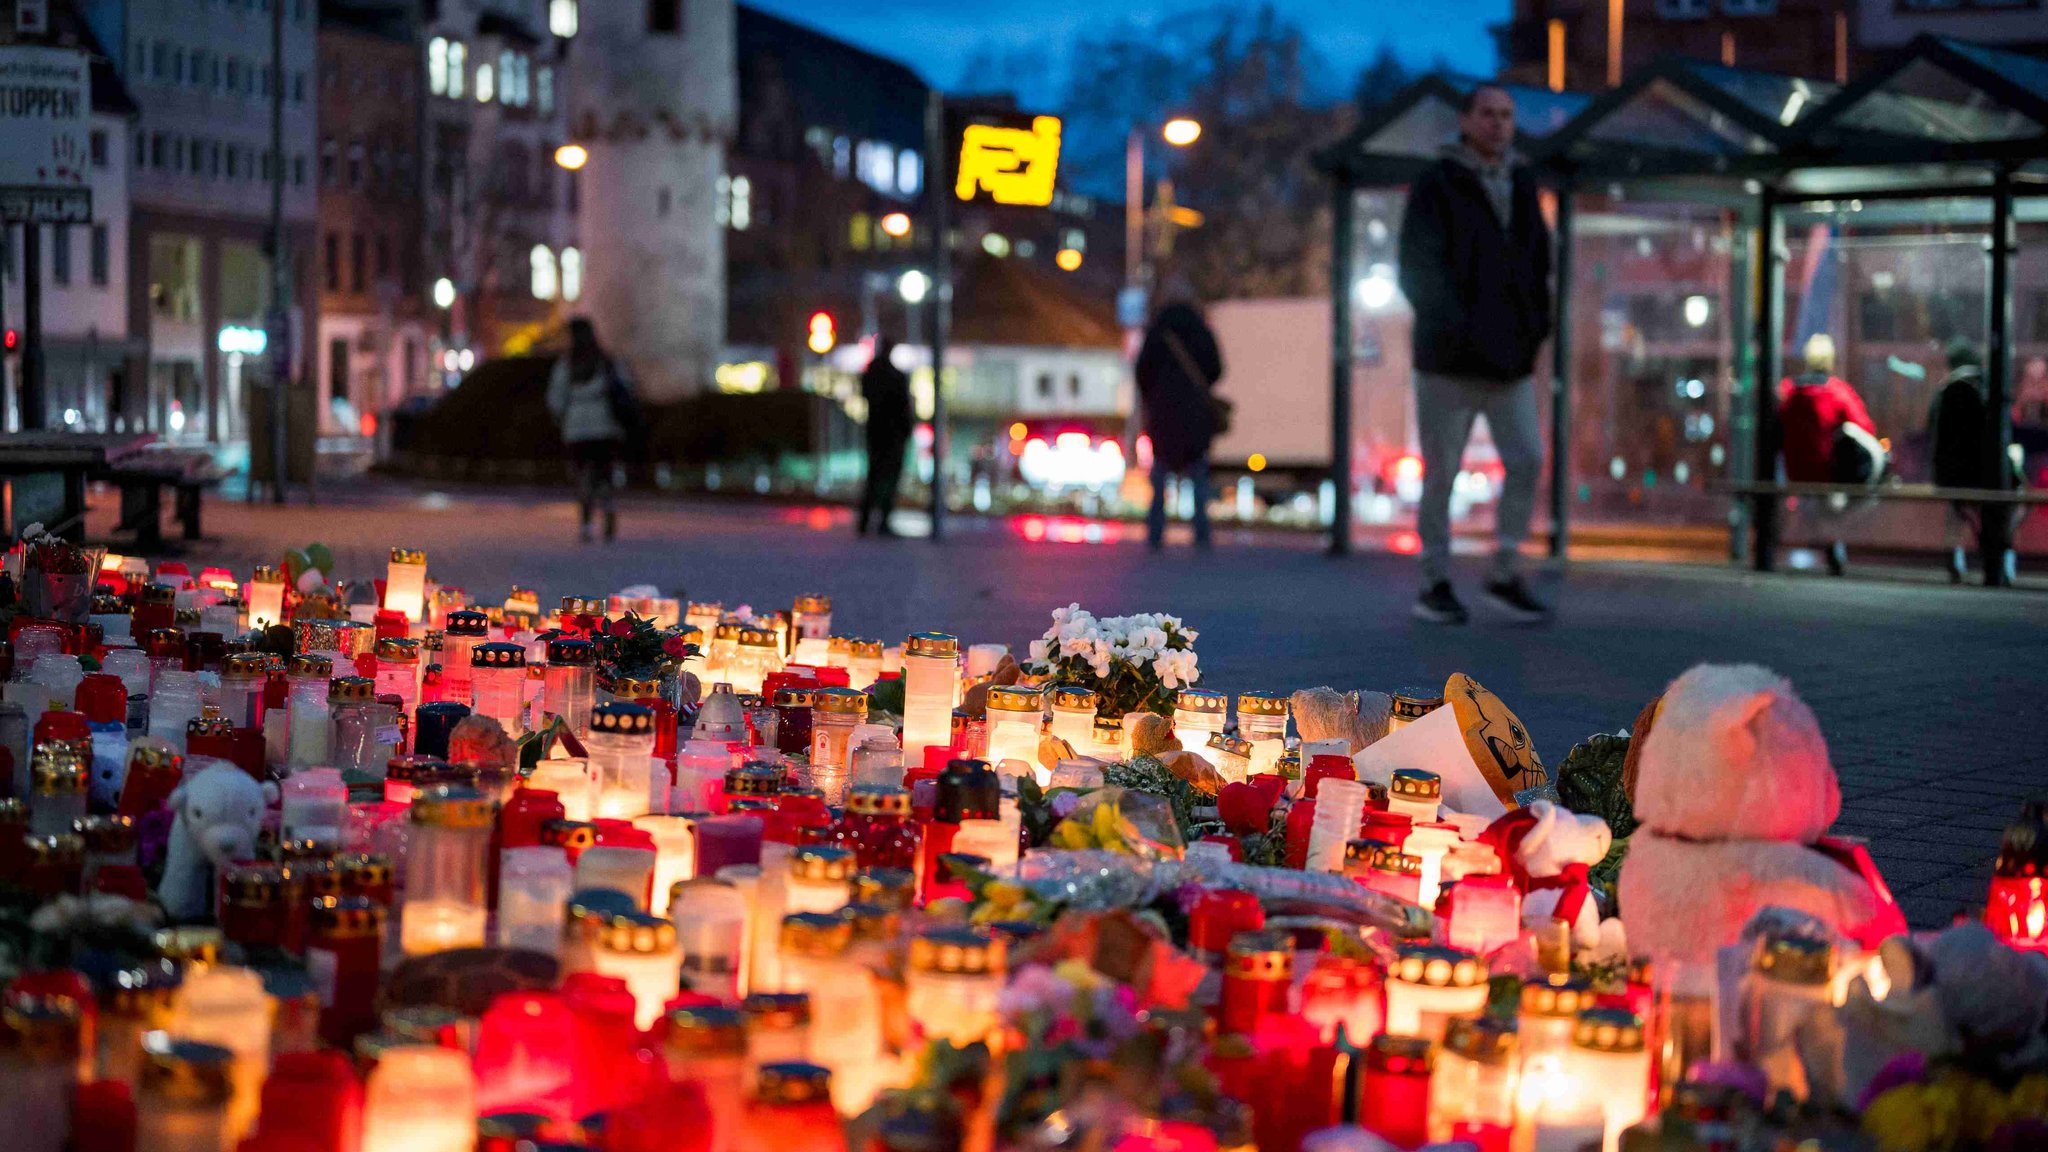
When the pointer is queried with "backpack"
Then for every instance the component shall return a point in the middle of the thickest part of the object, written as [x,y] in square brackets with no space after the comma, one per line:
[1856,457]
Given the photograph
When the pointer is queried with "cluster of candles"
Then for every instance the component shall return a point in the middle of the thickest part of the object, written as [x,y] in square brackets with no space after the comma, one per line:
[735,900]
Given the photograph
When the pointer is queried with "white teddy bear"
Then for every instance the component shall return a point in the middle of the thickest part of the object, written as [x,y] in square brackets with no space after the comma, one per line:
[1560,842]
[218,809]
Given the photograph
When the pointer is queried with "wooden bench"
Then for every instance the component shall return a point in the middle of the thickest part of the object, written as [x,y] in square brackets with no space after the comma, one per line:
[142,479]
[1998,570]
[43,477]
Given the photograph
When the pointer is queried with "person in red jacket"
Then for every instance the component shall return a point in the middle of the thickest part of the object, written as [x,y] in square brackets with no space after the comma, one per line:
[1814,409]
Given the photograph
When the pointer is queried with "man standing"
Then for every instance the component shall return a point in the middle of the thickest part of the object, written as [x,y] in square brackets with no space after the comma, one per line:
[1475,264]
[1177,369]
[887,391]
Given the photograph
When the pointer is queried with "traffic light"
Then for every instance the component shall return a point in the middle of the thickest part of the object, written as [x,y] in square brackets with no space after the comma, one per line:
[11,343]
[824,336]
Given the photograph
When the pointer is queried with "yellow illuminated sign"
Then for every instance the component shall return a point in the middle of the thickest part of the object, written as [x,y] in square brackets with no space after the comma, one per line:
[1013,165]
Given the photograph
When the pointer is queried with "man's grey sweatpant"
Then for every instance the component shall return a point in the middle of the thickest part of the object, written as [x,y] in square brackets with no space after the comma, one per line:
[1444,410]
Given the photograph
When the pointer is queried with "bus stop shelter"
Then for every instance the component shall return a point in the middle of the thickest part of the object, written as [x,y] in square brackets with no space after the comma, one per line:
[1947,134]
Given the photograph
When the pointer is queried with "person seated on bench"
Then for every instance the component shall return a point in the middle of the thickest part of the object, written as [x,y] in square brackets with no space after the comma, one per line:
[1826,436]
[1957,428]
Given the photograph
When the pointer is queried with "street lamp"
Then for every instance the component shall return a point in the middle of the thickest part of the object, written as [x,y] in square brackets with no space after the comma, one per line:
[1068,259]
[1181,132]
[896,224]
[572,157]
[444,293]
[913,286]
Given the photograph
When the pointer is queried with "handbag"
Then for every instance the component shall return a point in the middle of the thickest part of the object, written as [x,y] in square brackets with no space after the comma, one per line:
[1220,408]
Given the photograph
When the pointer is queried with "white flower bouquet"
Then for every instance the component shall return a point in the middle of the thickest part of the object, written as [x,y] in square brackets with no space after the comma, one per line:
[1134,663]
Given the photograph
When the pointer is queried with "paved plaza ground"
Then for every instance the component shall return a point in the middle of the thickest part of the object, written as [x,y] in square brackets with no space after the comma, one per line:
[1930,696]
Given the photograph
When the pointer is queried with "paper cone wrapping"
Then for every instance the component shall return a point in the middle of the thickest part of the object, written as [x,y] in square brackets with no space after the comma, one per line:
[1473,743]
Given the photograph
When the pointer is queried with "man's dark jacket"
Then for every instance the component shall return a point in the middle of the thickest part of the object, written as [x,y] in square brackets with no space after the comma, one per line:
[1177,366]
[1481,292]
[887,391]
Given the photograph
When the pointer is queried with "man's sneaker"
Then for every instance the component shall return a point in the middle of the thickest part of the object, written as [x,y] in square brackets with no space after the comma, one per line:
[1439,605]
[1512,597]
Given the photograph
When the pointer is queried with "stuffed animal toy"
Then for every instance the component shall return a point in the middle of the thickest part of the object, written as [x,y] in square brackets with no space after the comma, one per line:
[1550,850]
[1357,718]
[1733,795]
[217,811]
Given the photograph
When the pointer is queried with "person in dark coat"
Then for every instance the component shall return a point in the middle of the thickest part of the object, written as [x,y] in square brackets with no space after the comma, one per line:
[1958,430]
[1177,369]
[887,391]
[1475,265]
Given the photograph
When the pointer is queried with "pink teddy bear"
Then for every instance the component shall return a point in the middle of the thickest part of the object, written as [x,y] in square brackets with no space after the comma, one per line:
[1735,794]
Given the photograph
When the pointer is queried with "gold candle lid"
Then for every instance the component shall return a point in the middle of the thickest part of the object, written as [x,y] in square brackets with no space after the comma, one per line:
[188,617]
[706,1030]
[1016,698]
[48,1029]
[1230,745]
[931,644]
[1481,1039]
[1201,700]
[968,951]
[1608,1030]
[840,701]
[1288,766]
[872,921]
[877,800]
[408,556]
[622,719]
[1069,696]
[637,932]
[56,768]
[467,622]
[726,631]
[244,666]
[814,604]
[64,850]
[704,608]
[823,864]
[1795,959]
[570,652]
[1437,966]
[185,1071]
[453,806]
[889,887]
[399,650]
[1261,704]
[1391,860]
[1260,955]
[351,690]
[351,916]
[364,870]
[266,574]
[776,1011]
[1415,705]
[794,697]
[497,655]
[1399,1055]
[1109,730]
[583,605]
[309,664]
[816,934]
[866,650]
[1559,997]
[253,882]
[753,780]
[792,1083]
[757,638]
[190,945]
[143,993]
[1415,784]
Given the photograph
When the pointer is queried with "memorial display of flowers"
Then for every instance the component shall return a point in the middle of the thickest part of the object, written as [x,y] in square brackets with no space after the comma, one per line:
[310,886]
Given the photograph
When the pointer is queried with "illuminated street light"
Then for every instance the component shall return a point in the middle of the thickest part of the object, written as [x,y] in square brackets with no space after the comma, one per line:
[824,334]
[896,224]
[572,156]
[444,293]
[1181,132]
[913,286]
[1069,259]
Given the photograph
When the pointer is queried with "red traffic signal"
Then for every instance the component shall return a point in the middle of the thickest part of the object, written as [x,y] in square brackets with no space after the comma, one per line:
[12,341]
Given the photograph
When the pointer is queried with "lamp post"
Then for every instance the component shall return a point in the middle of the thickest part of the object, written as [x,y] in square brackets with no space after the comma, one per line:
[1180,131]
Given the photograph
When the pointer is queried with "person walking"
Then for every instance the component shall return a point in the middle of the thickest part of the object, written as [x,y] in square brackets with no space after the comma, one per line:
[1177,369]
[1826,436]
[887,390]
[594,404]
[1475,265]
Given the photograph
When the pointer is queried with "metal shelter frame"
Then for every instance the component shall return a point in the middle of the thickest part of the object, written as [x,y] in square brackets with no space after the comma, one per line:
[1944,119]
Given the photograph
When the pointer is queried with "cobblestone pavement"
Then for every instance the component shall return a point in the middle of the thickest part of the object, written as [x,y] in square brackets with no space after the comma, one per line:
[1928,694]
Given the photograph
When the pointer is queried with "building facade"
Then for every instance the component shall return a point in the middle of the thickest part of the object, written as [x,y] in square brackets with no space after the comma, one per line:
[373,349]
[86,342]
[653,102]
[501,259]
[200,181]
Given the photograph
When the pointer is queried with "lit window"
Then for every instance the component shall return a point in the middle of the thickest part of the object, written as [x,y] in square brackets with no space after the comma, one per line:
[486,86]
[842,156]
[572,274]
[544,278]
[909,173]
[857,232]
[437,66]
[742,203]
[458,68]
[722,203]
[562,18]
[875,165]
[544,91]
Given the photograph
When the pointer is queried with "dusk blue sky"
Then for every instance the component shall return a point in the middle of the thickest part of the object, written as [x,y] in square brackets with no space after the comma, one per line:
[938,37]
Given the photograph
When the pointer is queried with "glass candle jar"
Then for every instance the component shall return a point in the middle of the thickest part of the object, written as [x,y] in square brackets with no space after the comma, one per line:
[405,584]
[835,714]
[534,886]
[819,879]
[265,595]
[358,741]
[398,670]
[307,725]
[675,859]
[569,779]
[1384,868]
[891,888]
[1472,1095]
[877,758]
[1107,742]
[53,865]
[640,948]
[58,781]
[1217,916]
[811,621]
[1073,717]
[1485,913]
[846,1019]
[182,1095]
[793,720]
[791,1107]
[778,1028]
[570,683]
[344,949]
[707,1043]
[1608,1057]
[1231,756]
[132,1003]
[863,664]
[952,982]
[228,1006]
[730,839]
[314,806]
[1393,1095]
[1428,985]
[1258,975]
[1199,714]
[166,649]
[256,902]
[1014,716]
[498,683]
[621,747]
[446,870]
[620,868]
[931,676]
[877,827]
[243,676]
[461,634]
[1415,794]
[43,1057]
[420,1098]
[1342,992]
[710,917]
[755,655]
[1262,719]
[1411,705]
